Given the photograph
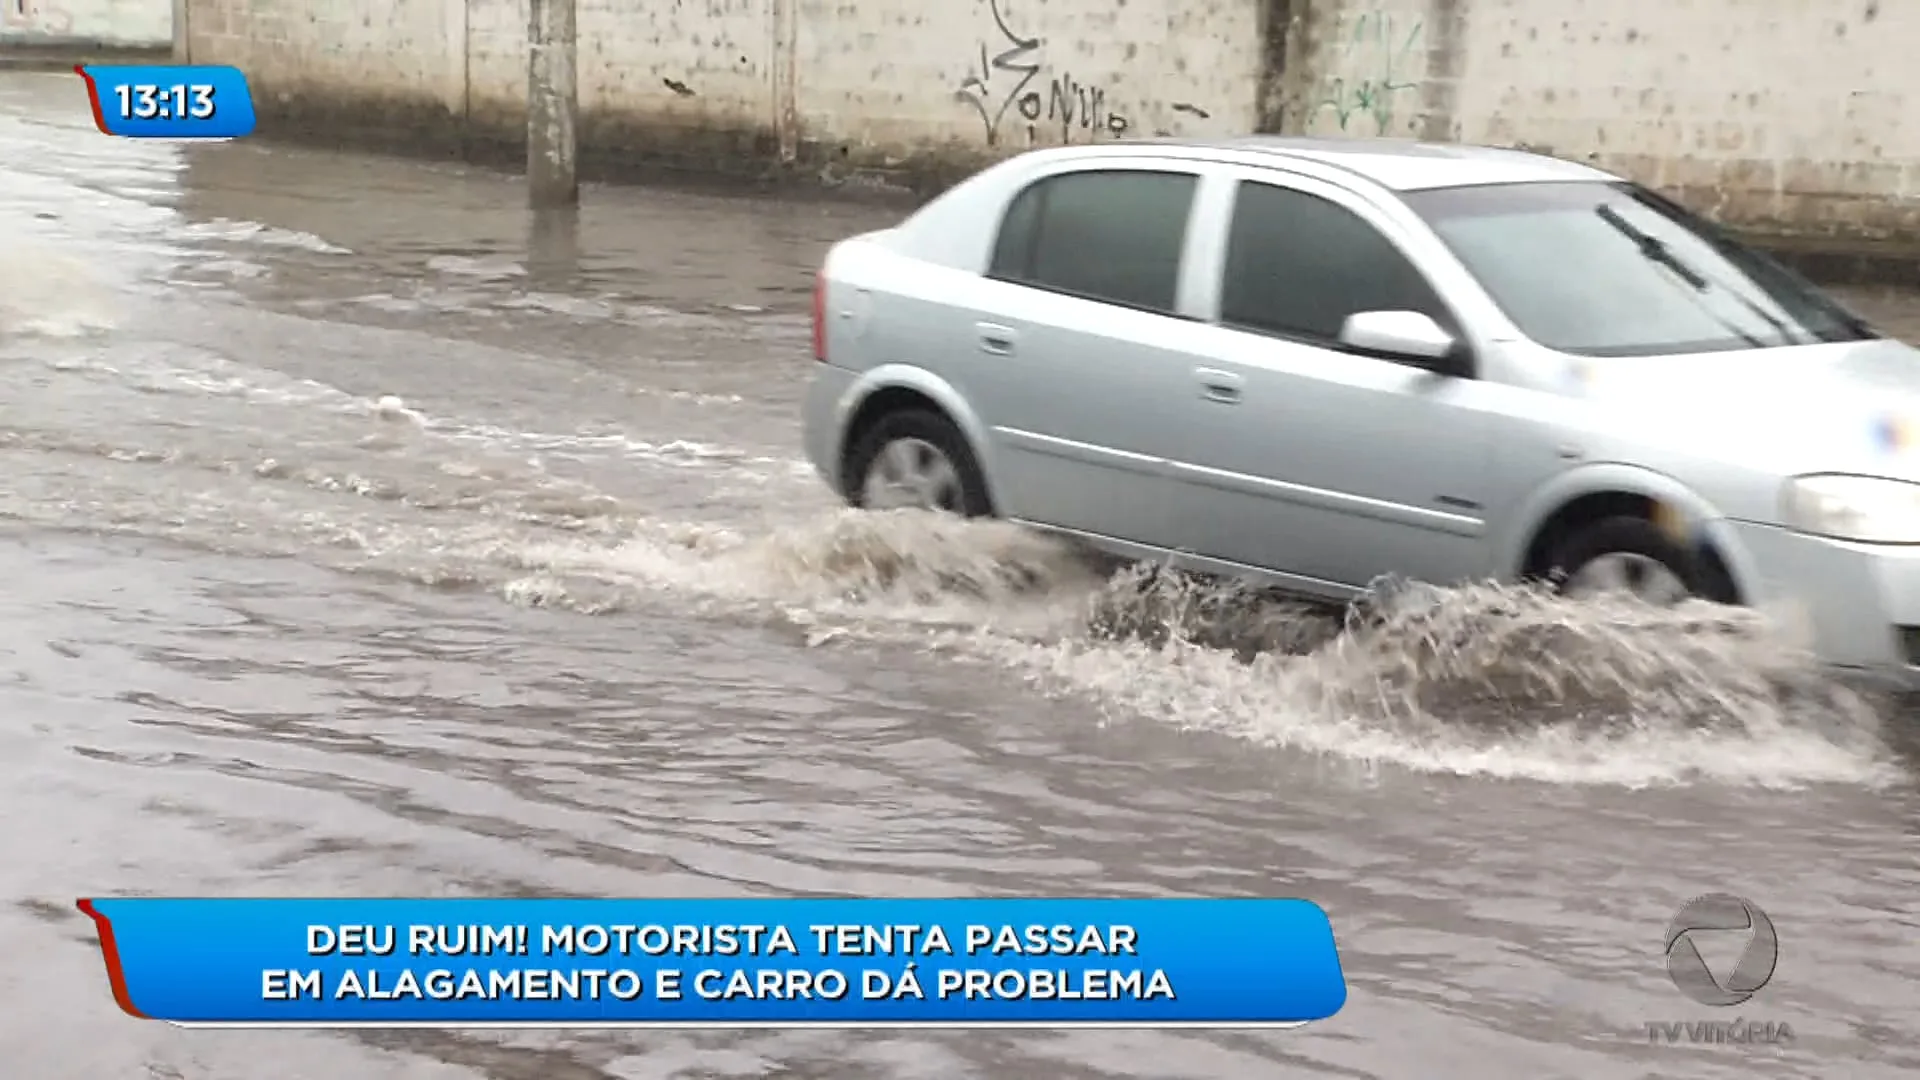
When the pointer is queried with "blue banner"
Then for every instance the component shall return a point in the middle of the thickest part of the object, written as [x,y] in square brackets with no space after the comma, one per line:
[169,101]
[733,963]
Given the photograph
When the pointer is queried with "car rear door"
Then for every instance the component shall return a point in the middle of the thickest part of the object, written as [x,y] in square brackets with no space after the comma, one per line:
[1301,456]
[1080,346]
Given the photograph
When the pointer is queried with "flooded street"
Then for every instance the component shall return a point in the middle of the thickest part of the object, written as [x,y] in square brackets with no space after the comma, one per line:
[365,538]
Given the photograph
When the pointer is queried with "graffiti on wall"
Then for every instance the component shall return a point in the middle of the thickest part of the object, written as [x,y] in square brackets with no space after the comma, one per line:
[1377,61]
[35,16]
[1012,88]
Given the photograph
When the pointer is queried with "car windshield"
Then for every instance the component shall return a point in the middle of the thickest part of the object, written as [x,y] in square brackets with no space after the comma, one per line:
[1611,269]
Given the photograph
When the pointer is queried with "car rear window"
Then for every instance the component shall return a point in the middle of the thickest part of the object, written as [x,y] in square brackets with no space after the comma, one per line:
[1109,235]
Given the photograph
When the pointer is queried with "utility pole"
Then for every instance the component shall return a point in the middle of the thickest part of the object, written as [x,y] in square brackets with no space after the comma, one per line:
[553,104]
[182,40]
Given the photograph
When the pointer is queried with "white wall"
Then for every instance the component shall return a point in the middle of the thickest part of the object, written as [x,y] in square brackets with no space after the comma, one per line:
[1010,74]
[1797,113]
[1780,115]
[893,75]
[1367,68]
[1784,115]
[144,23]
[366,53]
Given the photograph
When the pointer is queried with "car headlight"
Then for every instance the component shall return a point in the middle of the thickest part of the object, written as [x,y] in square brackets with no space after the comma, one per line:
[1867,509]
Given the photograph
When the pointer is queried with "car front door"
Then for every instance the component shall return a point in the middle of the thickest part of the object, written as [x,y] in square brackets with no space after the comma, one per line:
[1302,456]
[1079,348]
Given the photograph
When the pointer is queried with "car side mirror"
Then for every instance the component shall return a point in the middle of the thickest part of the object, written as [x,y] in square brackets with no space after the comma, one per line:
[1407,336]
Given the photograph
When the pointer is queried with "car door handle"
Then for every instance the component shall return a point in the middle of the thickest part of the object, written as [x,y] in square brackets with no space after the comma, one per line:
[996,339]
[1221,386]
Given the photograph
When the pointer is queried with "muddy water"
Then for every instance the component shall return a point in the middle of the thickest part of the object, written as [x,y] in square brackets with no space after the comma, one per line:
[367,537]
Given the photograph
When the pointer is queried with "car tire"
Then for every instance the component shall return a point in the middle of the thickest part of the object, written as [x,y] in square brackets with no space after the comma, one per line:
[918,436]
[1630,553]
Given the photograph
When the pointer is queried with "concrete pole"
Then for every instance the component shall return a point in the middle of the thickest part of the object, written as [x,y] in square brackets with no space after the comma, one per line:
[553,247]
[553,104]
[182,39]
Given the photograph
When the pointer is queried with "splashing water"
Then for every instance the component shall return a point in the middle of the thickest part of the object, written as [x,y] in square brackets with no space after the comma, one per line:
[906,556]
[1518,654]
[1487,679]
[1484,679]
[46,292]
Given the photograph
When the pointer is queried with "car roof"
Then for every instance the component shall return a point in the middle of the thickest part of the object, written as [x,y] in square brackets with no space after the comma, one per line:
[1399,164]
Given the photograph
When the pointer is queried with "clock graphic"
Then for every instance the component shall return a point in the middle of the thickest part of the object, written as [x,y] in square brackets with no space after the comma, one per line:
[169,101]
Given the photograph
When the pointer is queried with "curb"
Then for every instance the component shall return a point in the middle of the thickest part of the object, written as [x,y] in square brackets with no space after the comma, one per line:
[15,56]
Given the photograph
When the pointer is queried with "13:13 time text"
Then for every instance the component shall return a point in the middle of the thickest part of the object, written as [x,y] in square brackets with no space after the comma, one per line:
[144,101]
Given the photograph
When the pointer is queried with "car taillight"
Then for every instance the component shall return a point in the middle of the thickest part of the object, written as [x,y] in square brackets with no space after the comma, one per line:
[820,317]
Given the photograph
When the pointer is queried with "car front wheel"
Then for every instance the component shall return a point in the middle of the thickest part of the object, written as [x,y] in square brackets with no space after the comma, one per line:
[1627,555]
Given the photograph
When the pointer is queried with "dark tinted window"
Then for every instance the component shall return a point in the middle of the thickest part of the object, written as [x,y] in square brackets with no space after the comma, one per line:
[1299,265]
[1013,251]
[1608,269]
[1113,236]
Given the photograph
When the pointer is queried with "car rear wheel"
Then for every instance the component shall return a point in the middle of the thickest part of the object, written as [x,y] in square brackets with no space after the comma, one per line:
[1627,555]
[916,460]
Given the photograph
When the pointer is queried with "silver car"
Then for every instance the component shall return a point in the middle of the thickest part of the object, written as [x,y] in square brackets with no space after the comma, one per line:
[1319,363]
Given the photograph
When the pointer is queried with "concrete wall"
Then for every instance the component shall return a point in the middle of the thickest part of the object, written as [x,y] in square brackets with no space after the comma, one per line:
[1781,115]
[134,23]
[1784,116]
[843,89]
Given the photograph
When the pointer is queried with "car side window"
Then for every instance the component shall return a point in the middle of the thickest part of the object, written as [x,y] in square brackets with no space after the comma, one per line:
[1111,235]
[1297,265]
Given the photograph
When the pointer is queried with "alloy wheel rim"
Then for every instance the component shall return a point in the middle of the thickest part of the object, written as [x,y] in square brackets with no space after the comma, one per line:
[1628,572]
[912,474]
